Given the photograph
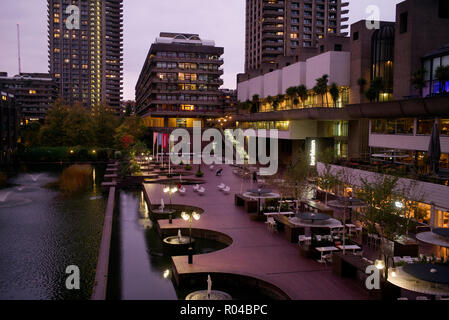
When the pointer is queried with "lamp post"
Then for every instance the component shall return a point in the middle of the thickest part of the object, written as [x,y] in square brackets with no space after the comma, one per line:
[190,217]
[384,264]
[170,191]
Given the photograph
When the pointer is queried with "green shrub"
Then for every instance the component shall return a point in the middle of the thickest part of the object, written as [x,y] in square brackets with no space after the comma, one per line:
[71,154]
[75,178]
[187,167]
[199,174]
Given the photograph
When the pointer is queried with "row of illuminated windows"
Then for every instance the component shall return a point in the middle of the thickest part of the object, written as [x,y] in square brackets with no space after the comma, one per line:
[185,76]
[185,97]
[186,66]
[187,55]
[407,126]
[267,125]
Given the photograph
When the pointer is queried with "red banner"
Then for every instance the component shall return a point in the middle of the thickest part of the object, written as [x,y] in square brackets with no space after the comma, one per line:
[155,138]
[165,140]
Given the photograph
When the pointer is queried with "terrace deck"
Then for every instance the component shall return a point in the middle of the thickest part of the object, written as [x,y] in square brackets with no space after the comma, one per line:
[255,251]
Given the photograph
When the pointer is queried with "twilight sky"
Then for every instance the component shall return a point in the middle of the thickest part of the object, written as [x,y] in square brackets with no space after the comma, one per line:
[219,20]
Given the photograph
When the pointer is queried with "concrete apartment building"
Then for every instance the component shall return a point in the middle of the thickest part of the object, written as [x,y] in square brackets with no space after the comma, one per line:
[367,54]
[34,94]
[393,127]
[277,28]
[87,60]
[179,82]
[8,127]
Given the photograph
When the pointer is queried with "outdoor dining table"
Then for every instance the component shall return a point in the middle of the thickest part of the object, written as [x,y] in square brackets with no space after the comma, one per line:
[352,248]
[326,249]
[271,214]
[351,227]
[431,279]
[259,194]
[313,216]
[438,237]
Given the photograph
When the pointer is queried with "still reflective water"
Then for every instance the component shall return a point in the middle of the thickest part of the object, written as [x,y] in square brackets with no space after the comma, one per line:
[145,272]
[43,232]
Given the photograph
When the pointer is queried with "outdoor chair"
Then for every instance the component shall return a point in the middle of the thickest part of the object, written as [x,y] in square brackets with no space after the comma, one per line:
[373,240]
[227,190]
[219,173]
[182,191]
[326,258]
[221,186]
[271,224]
[202,191]
[211,168]
[302,239]
[422,298]
[196,188]
[358,253]
[336,232]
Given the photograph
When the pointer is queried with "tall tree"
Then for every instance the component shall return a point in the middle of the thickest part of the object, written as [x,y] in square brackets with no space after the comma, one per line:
[133,128]
[270,101]
[105,123]
[335,93]
[292,95]
[302,93]
[79,127]
[377,86]
[255,104]
[280,98]
[53,133]
[419,80]
[442,75]
[382,215]
[321,88]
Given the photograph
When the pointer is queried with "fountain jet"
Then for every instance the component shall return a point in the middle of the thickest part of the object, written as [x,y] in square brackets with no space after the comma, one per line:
[4,196]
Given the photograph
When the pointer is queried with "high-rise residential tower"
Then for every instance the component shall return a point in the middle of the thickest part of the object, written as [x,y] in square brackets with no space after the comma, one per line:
[281,27]
[180,80]
[86,50]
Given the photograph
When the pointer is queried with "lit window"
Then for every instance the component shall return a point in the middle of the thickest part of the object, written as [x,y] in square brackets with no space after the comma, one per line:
[32,91]
[187,107]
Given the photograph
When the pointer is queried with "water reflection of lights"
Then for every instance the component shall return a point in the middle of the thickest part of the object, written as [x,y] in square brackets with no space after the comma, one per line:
[94,179]
[144,207]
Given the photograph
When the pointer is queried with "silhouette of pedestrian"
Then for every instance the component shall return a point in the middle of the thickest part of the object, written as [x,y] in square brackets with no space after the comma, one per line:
[255,177]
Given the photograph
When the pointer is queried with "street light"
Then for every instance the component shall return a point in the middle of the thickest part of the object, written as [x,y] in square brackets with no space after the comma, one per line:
[382,264]
[170,191]
[190,217]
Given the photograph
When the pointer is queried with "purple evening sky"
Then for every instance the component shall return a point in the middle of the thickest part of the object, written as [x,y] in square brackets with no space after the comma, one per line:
[219,20]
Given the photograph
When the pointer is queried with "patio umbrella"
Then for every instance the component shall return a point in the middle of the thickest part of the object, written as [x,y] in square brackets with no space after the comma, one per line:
[435,149]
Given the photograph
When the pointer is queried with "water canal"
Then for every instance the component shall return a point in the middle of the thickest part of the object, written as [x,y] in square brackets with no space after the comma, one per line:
[42,232]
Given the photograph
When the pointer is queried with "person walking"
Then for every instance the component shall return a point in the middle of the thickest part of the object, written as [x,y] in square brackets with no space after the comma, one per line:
[255,176]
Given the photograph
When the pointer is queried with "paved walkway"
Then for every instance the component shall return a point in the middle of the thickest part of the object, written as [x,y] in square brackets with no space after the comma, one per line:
[255,251]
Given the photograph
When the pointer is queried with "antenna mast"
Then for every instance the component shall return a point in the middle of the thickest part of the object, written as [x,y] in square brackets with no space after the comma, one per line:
[18,48]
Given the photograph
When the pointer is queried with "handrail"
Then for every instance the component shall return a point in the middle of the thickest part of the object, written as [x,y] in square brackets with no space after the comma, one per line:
[99,290]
